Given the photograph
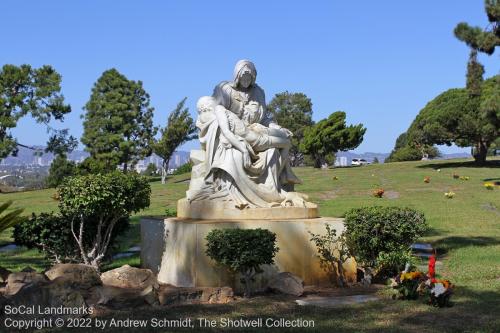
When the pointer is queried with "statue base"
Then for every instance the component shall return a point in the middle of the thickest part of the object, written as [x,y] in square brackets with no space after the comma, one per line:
[223,210]
[174,249]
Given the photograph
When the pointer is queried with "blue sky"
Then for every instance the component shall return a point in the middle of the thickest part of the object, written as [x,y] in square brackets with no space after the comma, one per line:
[380,61]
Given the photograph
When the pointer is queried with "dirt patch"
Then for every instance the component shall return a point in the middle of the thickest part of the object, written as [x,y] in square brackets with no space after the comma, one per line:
[391,194]
[490,207]
[326,195]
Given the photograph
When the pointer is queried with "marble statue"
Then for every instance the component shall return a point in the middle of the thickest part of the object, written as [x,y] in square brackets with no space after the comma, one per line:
[244,159]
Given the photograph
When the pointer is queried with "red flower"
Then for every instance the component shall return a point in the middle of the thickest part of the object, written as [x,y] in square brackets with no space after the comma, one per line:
[432,266]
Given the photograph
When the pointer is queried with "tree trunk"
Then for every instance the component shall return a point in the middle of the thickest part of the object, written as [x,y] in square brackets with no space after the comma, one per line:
[164,170]
[480,152]
[318,161]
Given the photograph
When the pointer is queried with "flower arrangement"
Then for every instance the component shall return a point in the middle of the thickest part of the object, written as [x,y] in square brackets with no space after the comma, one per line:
[409,284]
[378,193]
[449,194]
[427,179]
[464,177]
[440,292]
[489,186]
[335,178]
[455,176]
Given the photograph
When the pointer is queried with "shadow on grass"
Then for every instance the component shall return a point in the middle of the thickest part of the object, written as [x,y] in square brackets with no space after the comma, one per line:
[466,164]
[444,245]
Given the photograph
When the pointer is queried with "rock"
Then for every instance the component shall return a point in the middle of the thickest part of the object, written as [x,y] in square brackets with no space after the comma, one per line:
[129,277]
[287,283]
[170,295]
[16,281]
[4,274]
[52,294]
[83,276]
[121,298]
[217,295]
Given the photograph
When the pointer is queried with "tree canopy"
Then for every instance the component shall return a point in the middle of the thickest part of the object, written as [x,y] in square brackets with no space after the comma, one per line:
[28,91]
[456,117]
[294,112]
[179,129]
[329,136]
[118,123]
[406,151]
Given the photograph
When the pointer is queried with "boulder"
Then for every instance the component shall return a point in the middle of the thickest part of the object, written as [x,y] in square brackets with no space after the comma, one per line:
[287,283]
[4,274]
[50,294]
[129,277]
[121,298]
[16,281]
[83,276]
[170,295]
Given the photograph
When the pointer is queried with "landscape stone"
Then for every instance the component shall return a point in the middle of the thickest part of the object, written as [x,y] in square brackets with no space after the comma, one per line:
[287,283]
[170,295]
[4,274]
[121,298]
[84,276]
[129,277]
[18,280]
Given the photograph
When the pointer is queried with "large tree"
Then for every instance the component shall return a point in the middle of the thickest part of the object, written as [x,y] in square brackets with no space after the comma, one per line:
[180,128]
[329,136]
[294,112]
[28,91]
[405,151]
[118,125]
[60,144]
[457,117]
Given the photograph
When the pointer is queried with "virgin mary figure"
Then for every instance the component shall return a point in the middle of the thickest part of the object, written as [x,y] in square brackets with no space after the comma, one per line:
[245,152]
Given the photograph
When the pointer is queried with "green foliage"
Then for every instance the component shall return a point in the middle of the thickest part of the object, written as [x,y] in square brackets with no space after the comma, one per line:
[93,210]
[180,128]
[8,220]
[185,168]
[49,233]
[329,136]
[151,170]
[60,143]
[372,232]
[60,168]
[403,151]
[118,123]
[333,253]
[457,117]
[28,91]
[294,112]
[393,262]
[91,165]
[242,250]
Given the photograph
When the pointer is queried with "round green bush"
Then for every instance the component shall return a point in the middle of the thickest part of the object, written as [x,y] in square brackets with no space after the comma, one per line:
[371,231]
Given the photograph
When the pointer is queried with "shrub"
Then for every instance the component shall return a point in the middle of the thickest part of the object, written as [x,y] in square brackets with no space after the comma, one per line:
[94,209]
[242,251]
[50,233]
[375,231]
[333,253]
[186,167]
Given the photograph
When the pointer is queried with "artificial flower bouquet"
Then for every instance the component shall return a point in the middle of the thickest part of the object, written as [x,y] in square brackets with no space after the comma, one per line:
[440,292]
[408,284]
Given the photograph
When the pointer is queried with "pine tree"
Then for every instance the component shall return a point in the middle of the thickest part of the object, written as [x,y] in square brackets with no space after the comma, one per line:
[118,124]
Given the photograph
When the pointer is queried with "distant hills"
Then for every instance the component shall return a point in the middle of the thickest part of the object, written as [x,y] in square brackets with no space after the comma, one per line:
[27,157]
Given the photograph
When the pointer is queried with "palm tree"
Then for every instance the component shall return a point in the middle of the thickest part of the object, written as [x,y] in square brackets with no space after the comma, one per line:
[10,219]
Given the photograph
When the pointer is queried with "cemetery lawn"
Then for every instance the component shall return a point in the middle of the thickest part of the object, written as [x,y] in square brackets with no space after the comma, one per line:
[465,230]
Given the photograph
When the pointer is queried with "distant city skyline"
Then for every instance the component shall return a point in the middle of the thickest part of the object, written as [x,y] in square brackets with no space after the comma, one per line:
[381,62]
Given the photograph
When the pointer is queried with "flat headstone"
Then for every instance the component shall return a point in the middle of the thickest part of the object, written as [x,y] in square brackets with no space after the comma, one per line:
[336,301]
[124,255]
[136,248]
[421,246]
[9,247]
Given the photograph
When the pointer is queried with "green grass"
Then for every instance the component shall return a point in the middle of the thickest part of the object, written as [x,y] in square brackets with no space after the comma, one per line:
[465,230]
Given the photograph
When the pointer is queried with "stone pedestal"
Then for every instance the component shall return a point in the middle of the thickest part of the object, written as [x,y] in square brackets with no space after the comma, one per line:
[175,249]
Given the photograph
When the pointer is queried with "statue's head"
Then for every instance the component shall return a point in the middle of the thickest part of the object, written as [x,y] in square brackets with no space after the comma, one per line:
[245,74]
[205,104]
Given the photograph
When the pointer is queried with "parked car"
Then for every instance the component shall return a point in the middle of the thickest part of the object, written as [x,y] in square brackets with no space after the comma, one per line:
[359,161]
